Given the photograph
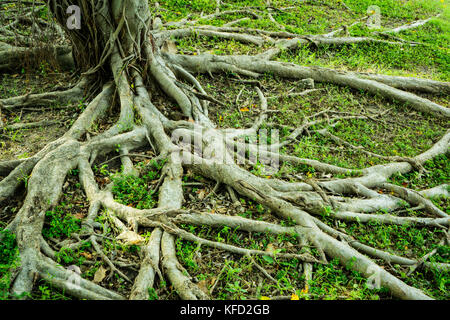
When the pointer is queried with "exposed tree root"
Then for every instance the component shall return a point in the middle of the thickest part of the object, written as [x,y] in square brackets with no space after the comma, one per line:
[12,58]
[245,64]
[74,95]
[132,62]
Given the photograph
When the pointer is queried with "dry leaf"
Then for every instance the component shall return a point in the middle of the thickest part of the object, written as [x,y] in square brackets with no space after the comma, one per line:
[203,285]
[87,255]
[201,194]
[100,275]
[270,248]
[130,238]
[79,216]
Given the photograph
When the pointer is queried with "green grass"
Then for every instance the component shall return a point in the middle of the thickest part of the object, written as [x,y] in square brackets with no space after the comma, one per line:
[431,60]
[9,261]
[416,9]
[437,173]
[333,282]
[137,192]
[240,279]
[60,224]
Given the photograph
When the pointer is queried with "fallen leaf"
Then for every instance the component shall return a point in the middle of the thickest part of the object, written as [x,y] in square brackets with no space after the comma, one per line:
[79,216]
[289,244]
[130,238]
[201,194]
[270,248]
[203,285]
[306,290]
[87,255]
[100,275]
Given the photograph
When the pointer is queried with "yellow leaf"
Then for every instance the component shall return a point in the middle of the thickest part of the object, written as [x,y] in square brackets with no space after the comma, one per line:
[264,298]
[87,255]
[245,109]
[306,290]
[295,297]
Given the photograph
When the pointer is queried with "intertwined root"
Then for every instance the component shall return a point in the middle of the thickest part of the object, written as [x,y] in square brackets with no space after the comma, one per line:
[297,201]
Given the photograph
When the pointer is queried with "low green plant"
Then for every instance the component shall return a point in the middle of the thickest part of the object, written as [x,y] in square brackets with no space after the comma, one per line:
[59,223]
[9,260]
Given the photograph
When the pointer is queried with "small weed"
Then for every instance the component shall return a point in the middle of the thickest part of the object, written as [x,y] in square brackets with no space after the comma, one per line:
[9,260]
[59,224]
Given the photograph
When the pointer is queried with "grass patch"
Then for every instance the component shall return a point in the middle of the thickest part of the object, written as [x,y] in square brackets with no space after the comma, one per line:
[9,261]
